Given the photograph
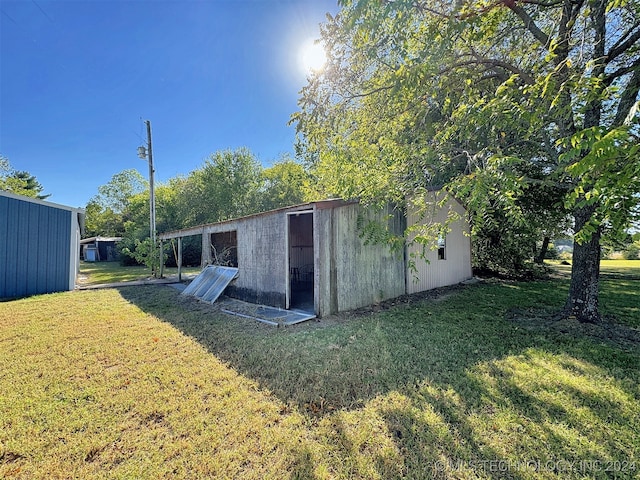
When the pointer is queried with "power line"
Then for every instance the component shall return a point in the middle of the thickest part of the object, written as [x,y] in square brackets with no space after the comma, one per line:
[10,18]
[42,10]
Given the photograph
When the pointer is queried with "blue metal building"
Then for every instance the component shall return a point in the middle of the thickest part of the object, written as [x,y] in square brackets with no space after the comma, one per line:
[39,246]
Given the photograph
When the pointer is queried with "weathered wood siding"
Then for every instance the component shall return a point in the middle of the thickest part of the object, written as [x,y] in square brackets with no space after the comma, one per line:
[348,273]
[325,284]
[262,276]
[39,246]
[351,273]
[262,260]
[456,267]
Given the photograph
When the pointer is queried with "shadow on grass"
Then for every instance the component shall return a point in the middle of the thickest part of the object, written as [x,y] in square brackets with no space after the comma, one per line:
[456,386]
[344,361]
[622,300]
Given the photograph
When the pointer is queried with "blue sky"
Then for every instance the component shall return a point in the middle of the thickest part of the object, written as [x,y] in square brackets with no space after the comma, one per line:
[78,77]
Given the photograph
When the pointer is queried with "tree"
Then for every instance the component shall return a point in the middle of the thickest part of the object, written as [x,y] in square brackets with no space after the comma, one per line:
[106,212]
[135,245]
[286,183]
[632,251]
[117,193]
[19,182]
[477,93]
[226,186]
[101,221]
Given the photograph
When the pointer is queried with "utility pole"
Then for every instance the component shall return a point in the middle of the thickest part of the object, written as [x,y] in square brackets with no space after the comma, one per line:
[148,154]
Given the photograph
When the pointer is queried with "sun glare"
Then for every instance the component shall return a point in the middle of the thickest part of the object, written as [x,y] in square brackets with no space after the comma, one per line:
[312,57]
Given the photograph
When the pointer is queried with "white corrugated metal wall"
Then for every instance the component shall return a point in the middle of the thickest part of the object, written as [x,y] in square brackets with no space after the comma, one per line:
[456,266]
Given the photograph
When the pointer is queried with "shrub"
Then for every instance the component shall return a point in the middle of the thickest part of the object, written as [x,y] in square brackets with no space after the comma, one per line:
[126,246]
[632,251]
[191,251]
[565,256]
[552,253]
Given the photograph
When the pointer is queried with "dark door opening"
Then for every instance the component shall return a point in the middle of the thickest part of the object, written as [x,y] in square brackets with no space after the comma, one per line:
[301,274]
[224,248]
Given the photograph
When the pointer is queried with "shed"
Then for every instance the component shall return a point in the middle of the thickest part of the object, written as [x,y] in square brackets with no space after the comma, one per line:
[99,249]
[39,246]
[313,256]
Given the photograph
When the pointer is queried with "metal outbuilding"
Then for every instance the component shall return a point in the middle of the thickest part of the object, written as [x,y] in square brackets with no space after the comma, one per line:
[100,249]
[39,246]
[314,257]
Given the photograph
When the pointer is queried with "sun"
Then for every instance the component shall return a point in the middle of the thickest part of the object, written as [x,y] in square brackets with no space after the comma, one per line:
[312,56]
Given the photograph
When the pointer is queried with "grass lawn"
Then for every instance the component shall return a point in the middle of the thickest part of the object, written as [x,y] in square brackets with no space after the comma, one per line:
[608,268]
[95,273]
[621,267]
[470,382]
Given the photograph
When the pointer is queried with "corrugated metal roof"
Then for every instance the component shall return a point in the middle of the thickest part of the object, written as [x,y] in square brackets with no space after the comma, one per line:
[45,203]
[199,229]
[100,239]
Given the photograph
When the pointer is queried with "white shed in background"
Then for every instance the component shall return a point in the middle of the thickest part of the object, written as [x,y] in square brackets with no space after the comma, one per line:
[448,264]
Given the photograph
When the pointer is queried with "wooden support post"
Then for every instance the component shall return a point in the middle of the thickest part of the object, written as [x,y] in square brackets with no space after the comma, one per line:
[161,259]
[206,249]
[179,259]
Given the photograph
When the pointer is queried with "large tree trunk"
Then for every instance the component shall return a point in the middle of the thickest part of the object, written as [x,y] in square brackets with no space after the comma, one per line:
[583,292]
[543,251]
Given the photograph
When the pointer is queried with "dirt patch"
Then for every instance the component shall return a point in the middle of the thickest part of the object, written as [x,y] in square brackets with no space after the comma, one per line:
[9,457]
[607,331]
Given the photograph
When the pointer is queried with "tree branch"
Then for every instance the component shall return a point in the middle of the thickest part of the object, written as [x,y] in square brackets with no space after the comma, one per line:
[570,11]
[622,45]
[543,4]
[507,66]
[478,60]
[610,78]
[530,25]
[353,96]
[628,98]
[422,8]
[593,112]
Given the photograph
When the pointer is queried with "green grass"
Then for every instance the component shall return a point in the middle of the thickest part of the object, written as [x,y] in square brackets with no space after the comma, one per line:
[95,273]
[608,268]
[622,267]
[619,282]
[140,382]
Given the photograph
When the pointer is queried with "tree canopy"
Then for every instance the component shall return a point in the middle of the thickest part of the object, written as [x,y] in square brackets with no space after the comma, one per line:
[19,182]
[229,184]
[526,110]
[107,210]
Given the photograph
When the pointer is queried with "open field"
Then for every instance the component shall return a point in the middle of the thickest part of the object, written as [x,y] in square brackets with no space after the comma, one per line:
[469,382]
[623,267]
[608,268]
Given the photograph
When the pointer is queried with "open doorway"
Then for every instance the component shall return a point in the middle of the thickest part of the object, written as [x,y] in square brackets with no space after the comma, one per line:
[224,248]
[301,265]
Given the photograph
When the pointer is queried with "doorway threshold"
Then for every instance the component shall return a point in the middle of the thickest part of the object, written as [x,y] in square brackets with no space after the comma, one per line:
[262,313]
